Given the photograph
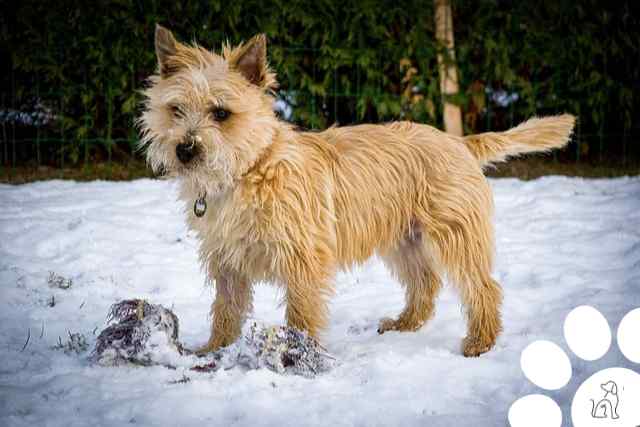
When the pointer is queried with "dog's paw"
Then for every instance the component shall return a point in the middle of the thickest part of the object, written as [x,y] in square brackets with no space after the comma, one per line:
[387,324]
[473,347]
[401,324]
[204,350]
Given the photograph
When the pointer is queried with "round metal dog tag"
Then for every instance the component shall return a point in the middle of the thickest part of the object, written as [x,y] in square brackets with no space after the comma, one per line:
[200,207]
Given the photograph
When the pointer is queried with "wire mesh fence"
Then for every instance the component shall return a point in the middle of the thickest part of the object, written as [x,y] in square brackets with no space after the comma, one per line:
[37,132]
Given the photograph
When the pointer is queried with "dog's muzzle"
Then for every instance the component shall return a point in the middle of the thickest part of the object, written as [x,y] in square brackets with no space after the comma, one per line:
[186,151]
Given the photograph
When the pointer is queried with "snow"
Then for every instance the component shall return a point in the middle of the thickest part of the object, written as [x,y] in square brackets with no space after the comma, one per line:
[561,242]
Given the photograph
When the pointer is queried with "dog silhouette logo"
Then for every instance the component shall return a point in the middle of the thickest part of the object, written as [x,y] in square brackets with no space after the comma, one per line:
[607,407]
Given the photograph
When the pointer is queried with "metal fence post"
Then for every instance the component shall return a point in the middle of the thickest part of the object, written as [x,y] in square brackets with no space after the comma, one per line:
[313,95]
[109,127]
[86,124]
[488,114]
[578,146]
[335,95]
[61,135]
[13,122]
[601,136]
[624,145]
[132,133]
[5,158]
[38,124]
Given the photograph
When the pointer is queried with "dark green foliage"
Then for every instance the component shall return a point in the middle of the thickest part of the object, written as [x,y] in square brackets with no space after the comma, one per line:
[337,61]
[581,57]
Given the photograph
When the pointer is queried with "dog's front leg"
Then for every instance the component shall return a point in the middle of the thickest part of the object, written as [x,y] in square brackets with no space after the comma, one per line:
[308,287]
[234,298]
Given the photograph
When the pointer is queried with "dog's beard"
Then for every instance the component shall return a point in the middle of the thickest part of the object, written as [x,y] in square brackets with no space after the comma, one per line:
[210,172]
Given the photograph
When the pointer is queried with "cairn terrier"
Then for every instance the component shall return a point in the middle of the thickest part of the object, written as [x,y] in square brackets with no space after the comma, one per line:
[271,203]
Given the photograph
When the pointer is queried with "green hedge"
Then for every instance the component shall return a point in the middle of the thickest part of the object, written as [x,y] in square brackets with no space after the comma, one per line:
[338,61]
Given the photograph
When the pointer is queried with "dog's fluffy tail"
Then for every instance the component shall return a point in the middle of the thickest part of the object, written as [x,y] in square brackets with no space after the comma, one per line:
[534,135]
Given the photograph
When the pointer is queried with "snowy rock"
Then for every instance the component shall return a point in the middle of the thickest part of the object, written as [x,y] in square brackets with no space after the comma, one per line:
[280,349]
[141,333]
[147,334]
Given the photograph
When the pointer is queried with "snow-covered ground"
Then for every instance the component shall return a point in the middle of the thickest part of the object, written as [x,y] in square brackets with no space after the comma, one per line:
[561,242]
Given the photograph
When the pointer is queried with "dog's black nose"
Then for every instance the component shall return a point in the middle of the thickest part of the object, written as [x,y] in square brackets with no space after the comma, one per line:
[185,151]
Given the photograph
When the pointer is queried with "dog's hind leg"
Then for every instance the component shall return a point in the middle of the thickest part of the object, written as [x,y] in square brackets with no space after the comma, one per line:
[482,299]
[413,266]
[463,240]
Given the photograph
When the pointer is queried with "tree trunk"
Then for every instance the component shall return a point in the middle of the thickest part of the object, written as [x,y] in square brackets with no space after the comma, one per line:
[447,66]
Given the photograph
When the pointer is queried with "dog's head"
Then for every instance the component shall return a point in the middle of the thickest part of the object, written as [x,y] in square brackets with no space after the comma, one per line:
[208,117]
[609,387]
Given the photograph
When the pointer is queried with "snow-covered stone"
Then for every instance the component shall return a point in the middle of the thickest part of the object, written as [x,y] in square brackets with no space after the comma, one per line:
[147,334]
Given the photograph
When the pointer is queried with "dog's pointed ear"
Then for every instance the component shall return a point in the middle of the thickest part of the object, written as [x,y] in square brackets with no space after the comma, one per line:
[250,60]
[166,47]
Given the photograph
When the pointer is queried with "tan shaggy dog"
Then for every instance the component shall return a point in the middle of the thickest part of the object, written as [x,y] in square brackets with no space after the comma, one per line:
[292,207]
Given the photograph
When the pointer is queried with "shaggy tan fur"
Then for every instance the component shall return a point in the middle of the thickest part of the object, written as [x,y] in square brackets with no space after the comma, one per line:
[293,207]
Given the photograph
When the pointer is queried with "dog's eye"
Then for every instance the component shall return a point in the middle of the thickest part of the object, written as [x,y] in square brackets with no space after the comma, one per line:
[176,111]
[220,114]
